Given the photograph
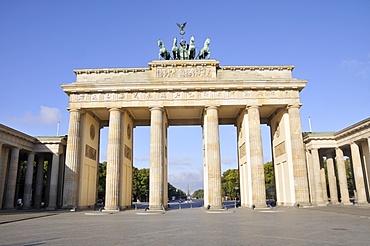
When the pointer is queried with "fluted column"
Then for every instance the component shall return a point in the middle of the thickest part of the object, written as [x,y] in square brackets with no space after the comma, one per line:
[342,177]
[311,176]
[332,178]
[39,180]
[319,199]
[323,180]
[53,186]
[113,160]
[3,168]
[298,157]
[365,145]
[71,175]
[12,179]
[27,195]
[213,159]
[256,157]
[156,159]
[358,174]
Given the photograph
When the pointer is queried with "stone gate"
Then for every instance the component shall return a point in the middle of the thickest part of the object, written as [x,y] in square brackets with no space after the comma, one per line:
[184,92]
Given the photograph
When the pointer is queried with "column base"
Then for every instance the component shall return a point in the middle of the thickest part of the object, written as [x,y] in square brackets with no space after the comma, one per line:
[112,208]
[155,208]
[215,207]
[71,208]
[362,203]
[305,204]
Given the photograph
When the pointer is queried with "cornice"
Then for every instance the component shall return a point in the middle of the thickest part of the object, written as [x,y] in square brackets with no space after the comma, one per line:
[353,128]
[292,84]
[257,68]
[109,70]
[183,63]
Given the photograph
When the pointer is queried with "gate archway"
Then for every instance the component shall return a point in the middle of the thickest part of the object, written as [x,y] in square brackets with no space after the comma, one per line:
[185,92]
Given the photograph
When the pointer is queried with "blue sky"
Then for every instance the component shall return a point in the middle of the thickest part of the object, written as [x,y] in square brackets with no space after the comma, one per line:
[41,42]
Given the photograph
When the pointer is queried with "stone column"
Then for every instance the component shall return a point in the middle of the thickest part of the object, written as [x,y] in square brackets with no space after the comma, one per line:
[3,168]
[358,174]
[298,157]
[12,179]
[156,159]
[332,178]
[256,157]
[323,180]
[39,181]
[319,199]
[365,145]
[213,159]
[113,160]
[342,177]
[71,175]
[311,177]
[27,195]
[53,186]
[205,168]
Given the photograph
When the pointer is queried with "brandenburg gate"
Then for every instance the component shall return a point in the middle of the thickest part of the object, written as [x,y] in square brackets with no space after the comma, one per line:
[184,92]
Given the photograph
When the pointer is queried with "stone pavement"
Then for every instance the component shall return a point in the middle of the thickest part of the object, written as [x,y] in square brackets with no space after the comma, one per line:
[328,225]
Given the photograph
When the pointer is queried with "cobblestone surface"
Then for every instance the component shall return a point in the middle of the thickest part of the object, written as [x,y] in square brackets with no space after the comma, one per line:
[329,225]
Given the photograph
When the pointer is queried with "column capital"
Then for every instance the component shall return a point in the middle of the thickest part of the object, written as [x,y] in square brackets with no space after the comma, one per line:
[257,106]
[211,107]
[114,109]
[156,108]
[329,154]
[74,110]
[15,148]
[294,105]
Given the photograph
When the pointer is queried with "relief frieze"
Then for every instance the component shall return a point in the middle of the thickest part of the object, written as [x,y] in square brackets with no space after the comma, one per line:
[121,96]
[81,97]
[280,149]
[94,97]
[108,96]
[163,95]
[191,94]
[242,150]
[192,72]
[90,152]
[128,152]
[233,94]
[182,95]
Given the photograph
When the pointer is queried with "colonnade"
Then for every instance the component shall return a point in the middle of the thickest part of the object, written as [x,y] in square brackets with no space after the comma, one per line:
[252,185]
[330,184]
[30,184]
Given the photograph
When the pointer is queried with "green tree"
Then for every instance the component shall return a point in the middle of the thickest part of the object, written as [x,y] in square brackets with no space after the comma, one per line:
[102,177]
[350,180]
[230,180]
[198,193]
[269,180]
[140,183]
[173,191]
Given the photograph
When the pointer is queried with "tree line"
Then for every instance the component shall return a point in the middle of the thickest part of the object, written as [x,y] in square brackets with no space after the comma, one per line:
[229,183]
[140,184]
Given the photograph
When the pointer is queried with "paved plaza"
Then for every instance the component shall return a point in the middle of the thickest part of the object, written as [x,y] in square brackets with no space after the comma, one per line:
[328,225]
